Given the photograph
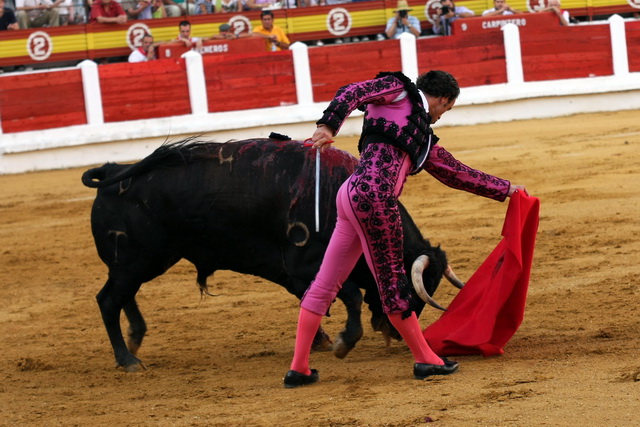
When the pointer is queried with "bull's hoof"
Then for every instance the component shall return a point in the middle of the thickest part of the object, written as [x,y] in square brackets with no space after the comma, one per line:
[134,367]
[341,349]
[321,342]
[322,346]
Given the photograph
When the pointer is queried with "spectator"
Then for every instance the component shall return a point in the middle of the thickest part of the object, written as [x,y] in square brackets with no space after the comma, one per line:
[229,6]
[107,12]
[146,51]
[205,7]
[402,22]
[143,10]
[81,13]
[447,14]
[66,12]
[7,18]
[500,7]
[177,8]
[262,4]
[226,33]
[275,37]
[37,13]
[184,36]
[157,10]
[554,6]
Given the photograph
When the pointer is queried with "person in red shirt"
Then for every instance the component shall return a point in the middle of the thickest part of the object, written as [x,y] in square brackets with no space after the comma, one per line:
[107,12]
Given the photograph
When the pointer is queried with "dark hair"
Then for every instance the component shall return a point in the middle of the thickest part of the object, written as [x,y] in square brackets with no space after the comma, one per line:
[439,83]
[266,12]
[184,23]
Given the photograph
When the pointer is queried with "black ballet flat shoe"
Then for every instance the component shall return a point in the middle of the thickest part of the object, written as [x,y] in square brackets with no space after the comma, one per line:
[295,379]
[424,370]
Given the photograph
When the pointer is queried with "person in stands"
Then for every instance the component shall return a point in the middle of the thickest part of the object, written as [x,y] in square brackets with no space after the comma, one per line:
[500,7]
[447,15]
[107,12]
[205,7]
[402,22]
[275,37]
[225,33]
[143,10]
[157,10]
[184,36]
[177,8]
[8,19]
[146,51]
[37,13]
[563,15]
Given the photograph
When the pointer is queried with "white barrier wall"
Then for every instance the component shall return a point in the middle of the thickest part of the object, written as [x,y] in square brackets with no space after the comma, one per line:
[99,142]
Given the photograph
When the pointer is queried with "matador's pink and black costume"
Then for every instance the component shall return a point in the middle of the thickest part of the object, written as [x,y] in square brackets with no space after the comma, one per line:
[397,140]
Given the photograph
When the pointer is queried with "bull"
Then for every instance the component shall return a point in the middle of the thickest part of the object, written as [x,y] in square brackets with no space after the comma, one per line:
[245,206]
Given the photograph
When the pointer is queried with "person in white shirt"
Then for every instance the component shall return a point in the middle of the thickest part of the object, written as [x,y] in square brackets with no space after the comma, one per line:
[500,7]
[146,51]
[563,15]
[66,12]
[37,13]
[402,22]
[184,36]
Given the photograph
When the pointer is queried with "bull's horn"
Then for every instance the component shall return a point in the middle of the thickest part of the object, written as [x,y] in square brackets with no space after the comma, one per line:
[418,267]
[452,278]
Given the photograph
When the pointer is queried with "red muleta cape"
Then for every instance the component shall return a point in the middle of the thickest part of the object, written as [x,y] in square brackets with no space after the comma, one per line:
[487,312]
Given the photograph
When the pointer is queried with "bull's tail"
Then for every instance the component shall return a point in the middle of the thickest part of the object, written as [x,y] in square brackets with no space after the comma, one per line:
[166,155]
[94,178]
[202,284]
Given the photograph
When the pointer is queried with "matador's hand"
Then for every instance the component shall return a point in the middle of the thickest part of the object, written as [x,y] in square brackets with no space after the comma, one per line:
[322,136]
[515,188]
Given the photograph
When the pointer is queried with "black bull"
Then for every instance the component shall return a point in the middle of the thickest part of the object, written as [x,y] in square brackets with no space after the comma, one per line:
[245,206]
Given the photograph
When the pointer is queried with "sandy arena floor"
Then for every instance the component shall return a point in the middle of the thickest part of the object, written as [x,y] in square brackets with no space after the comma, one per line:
[220,361]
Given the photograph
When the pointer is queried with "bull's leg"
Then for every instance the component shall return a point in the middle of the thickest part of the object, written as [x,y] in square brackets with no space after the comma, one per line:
[351,296]
[112,298]
[379,321]
[137,326]
[321,342]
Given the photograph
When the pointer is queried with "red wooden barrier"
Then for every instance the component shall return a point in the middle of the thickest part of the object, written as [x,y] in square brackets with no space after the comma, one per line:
[475,59]
[215,47]
[240,82]
[633,45]
[335,66]
[526,22]
[42,101]
[144,90]
[567,53]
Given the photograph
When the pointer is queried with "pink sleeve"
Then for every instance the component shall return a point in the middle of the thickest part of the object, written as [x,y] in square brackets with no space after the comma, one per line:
[356,95]
[446,169]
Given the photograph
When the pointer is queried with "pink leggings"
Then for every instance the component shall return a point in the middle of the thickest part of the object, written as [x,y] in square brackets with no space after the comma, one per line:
[368,221]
